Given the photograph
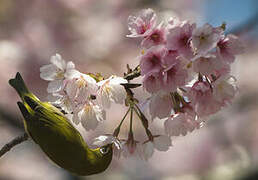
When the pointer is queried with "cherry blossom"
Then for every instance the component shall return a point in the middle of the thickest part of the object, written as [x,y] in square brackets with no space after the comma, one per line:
[224,89]
[174,73]
[150,62]
[56,72]
[180,124]
[228,47]
[89,115]
[160,143]
[210,64]
[131,148]
[205,38]
[202,99]
[179,38]
[152,82]
[110,90]
[160,105]
[185,70]
[142,24]
[156,37]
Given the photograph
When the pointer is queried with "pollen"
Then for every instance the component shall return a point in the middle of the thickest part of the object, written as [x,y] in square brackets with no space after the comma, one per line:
[81,82]
[60,74]
[189,65]
[87,108]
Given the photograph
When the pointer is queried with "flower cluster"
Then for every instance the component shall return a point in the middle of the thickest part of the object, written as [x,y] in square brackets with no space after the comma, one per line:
[185,68]
[84,96]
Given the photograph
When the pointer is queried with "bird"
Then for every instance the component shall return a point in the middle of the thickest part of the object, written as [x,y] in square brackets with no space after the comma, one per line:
[57,137]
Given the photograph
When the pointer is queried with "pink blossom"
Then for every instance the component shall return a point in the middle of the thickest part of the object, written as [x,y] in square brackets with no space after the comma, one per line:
[156,37]
[179,36]
[160,105]
[163,70]
[180,124]
[210,64]
[224,89]
[151,61]
[153,82]
[205,38]
[142,24]
[228,47]
[201,97]
[174,74]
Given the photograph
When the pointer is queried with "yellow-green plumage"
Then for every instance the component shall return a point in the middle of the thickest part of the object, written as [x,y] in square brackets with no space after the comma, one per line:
[57,137]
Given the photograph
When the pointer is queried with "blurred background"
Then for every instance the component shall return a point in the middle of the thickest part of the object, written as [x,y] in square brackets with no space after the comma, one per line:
[93,35]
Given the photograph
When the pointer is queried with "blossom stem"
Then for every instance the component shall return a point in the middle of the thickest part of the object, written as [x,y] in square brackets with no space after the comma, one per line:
[144,123]
[7,147]
[175,101]
[117,130]
[131,119]
[141,116]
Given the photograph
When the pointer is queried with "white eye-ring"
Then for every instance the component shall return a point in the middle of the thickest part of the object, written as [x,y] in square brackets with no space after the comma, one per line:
[104,150]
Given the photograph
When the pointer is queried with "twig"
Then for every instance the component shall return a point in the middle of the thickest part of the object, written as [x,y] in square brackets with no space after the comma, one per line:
[13,143]
[133,74]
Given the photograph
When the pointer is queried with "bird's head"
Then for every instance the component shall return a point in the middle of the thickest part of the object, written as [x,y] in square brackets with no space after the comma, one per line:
[104,155]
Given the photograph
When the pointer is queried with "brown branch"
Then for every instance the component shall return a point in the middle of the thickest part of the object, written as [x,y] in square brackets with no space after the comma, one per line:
[133,73]
[7,147]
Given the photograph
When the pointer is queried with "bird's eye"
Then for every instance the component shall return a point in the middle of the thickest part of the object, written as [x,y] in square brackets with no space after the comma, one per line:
[104,150]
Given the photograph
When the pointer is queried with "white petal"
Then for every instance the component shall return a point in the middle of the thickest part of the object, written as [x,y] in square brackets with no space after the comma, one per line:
[90,83]
[160,106]
[118,94]
[162,143]
[174,127]
[71,89]
[99,113]
[117,80]
[88,120]
[70,65]
[148,150]
[103,98]
[48,72]
[58,61]
[72,73]
[76,118]
[54,86]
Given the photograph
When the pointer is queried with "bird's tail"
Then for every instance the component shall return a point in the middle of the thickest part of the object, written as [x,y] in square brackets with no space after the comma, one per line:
[18,84]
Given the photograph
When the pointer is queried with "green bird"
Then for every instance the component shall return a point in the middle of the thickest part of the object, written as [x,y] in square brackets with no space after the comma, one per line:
[57,137]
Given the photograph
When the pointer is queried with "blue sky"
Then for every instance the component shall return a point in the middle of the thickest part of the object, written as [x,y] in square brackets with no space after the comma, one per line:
[233,12]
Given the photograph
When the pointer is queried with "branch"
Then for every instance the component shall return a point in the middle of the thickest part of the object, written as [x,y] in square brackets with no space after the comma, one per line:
[13,143]
[132,73]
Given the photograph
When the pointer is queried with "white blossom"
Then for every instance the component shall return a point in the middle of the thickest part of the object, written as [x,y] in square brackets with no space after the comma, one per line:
[111,90]
[56,72]
[89,116]
[205,38]
[160,143]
